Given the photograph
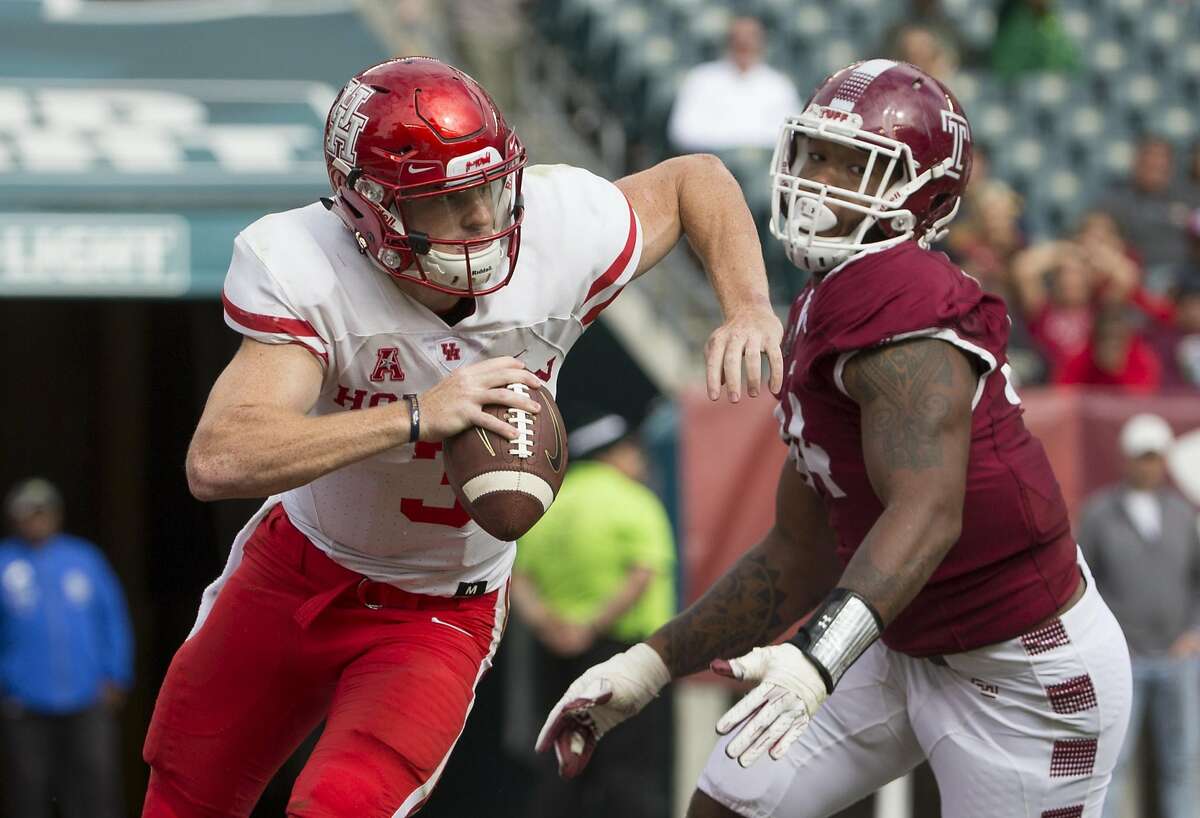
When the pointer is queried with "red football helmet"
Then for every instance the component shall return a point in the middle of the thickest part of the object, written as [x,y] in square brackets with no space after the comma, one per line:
[419,158]
[897,114]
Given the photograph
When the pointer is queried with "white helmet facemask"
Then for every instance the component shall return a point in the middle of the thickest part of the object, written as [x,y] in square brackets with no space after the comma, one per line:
[801,209]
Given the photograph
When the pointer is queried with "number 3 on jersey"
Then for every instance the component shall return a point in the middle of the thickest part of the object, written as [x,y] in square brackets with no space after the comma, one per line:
[419,511]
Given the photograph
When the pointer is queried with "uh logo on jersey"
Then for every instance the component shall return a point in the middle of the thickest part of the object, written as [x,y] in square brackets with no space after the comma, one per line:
[451,352]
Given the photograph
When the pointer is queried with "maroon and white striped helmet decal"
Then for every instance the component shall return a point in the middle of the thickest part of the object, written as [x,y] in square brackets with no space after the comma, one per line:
[855,85]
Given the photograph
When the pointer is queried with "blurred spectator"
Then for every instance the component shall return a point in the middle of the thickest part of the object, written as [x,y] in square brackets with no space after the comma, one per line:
[1193,176]
[928,16]
[1140,539]
[1030,37]
[1176,336]
[1178,343]
[920,45]
[65,662]
[985,238]
[1115,356]
[1058,286]
[1151,209]
[738,101]
[487,34]
[593,577]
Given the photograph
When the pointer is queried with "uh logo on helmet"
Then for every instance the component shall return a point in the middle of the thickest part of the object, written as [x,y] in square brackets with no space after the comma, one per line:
[414,134]
[906,123]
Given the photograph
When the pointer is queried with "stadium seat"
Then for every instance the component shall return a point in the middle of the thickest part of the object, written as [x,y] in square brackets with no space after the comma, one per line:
[1077,23]
[993,123]
[1106,56]
[1055,138]
[1178,123]
[708,28]
[834,55]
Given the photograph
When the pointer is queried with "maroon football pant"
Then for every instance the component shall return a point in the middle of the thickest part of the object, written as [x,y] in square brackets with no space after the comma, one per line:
[295,638]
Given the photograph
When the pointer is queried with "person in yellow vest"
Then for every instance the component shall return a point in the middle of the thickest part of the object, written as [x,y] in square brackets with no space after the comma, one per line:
[593,577]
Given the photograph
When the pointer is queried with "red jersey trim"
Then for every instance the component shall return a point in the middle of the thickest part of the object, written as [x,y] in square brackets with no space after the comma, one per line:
[610,276]
[323,356]
[595,311]
[269,323]
[300,330]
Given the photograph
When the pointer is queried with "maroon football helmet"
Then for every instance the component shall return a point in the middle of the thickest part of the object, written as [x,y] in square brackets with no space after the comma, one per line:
[898,115]
[413,143]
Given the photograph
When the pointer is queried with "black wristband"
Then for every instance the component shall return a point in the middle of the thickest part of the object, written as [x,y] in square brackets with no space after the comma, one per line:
[838,632]
[414,418]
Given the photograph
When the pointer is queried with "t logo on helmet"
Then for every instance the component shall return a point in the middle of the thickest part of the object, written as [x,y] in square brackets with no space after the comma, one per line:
[956,125]
[346,123]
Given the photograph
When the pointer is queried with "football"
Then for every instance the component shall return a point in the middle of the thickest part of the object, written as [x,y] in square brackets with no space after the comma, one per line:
[507,485]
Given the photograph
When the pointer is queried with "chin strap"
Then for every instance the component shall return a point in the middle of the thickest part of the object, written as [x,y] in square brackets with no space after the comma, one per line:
[450,269]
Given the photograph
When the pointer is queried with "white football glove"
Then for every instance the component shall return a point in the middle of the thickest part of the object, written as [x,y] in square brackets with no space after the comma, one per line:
[603,697]
[789,692]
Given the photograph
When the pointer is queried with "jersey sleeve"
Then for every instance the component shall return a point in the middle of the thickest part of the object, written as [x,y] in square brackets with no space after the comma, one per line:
[912,293]
[257,306]
[603,241]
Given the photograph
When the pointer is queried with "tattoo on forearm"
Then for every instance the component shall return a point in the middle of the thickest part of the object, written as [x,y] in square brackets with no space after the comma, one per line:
[891,590]
[740,611]
[903,390]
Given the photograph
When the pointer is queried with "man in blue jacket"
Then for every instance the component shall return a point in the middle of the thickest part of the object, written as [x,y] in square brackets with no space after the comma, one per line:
[65,662]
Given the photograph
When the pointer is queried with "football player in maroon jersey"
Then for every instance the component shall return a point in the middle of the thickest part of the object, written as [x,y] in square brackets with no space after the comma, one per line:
[953,619]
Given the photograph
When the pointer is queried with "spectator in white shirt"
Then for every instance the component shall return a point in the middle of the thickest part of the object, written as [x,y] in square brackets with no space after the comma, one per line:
[735,102]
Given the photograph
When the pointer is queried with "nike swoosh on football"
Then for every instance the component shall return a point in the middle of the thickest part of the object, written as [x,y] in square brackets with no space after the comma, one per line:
[556,458]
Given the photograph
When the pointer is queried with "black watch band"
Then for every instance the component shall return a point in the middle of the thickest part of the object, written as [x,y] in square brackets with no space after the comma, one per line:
[414,418]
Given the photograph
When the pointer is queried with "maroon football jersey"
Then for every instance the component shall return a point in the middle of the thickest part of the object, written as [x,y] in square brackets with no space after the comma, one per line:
[1014,563]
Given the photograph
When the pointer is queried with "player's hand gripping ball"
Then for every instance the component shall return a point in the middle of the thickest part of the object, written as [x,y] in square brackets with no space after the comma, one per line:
[507,485]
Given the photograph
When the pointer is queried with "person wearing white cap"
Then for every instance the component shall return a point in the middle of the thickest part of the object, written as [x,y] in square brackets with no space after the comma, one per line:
[1140,538]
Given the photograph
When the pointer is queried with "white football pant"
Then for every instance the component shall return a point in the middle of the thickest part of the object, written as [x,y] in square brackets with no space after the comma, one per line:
[1029,728]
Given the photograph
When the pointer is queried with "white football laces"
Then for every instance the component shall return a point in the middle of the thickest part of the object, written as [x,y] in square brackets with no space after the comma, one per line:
[522,444]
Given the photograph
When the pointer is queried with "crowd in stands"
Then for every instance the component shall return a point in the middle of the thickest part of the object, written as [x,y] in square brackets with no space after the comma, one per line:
[1115,301]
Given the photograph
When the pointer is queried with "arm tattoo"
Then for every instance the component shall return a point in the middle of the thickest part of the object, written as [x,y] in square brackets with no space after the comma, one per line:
[891,589]
[915,403]
[902,390]
[740,611]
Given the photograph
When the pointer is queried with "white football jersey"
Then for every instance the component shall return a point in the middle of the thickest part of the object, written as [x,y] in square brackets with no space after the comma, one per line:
[298,278]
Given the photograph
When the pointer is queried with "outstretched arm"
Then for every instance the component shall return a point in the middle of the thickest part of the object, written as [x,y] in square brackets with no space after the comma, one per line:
[697,196]
[773,584]
[770,587]
[914,401]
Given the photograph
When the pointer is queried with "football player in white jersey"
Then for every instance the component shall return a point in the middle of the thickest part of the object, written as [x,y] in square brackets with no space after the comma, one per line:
[378,323]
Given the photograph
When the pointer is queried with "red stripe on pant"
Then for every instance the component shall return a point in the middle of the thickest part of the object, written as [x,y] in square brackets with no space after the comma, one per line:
[394,684]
